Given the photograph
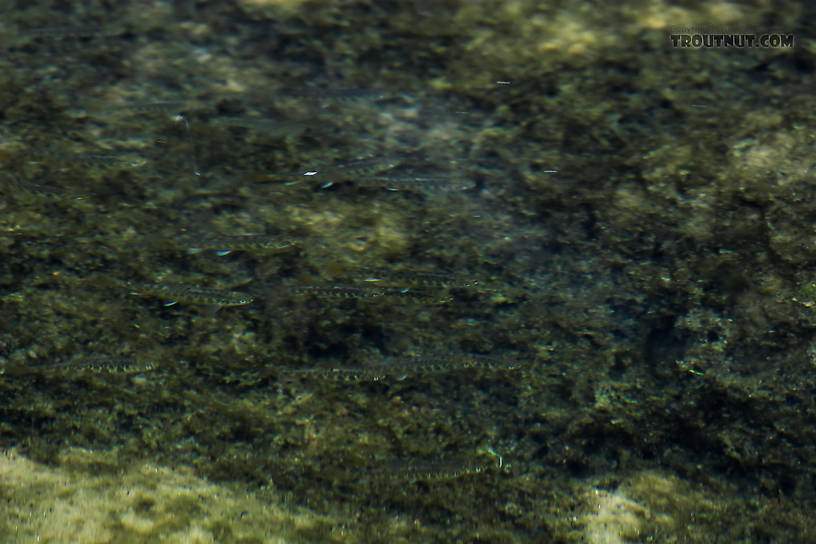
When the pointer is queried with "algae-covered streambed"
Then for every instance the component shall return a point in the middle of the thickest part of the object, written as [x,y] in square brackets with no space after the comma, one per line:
[427,271]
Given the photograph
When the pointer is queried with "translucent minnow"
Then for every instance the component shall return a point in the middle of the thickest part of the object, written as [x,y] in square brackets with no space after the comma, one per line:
[171,109]
[114,365]
[368,165]
[169,106]
[414,277]
[227,244]
[339,374]
[356,291]
[399,368]
[420,184]
[434,469]
[344,170]
[91,365]
[191,295]
[16,188]
[104,365]
[61,32]
[340,291]
[445,362]
[108,159]
[274,128]
[336,93]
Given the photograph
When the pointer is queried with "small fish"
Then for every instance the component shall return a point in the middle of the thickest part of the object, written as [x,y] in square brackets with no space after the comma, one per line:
[339,291]
[356,291]
[441,363]
[108,365]
[227,244]
[339,374]
[106,159]
[61,32]
[414,277]
[419,184]
[170,107]
[191,295]
[335,93]
[109,158]
[342,171]
[370,165]
[91,365]
[399,368]
[440,469]
[270,127]
[23,189]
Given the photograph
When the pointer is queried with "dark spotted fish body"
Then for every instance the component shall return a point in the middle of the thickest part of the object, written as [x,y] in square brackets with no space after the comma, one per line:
[381,276]
[339,291]
[369,292]
[339,374]
[191,295]
[399,368]
[429,470]
[82,366]
[112,365]
[447,362]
